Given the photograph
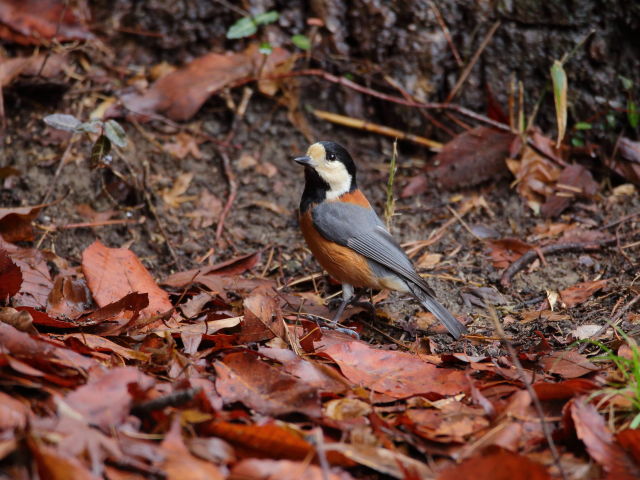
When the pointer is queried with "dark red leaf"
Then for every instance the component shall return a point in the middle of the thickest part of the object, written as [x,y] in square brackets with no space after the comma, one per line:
[10,276]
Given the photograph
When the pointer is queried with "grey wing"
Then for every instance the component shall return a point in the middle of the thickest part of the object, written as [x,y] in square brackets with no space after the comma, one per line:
[362,230]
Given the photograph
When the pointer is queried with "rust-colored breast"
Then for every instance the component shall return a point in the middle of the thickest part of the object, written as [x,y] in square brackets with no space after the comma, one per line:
[356,197]
[342,263]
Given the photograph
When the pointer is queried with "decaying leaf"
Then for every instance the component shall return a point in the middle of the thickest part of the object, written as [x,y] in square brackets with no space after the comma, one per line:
[581,292]
[10,276]
[569,364]
[627,163]
[535,177]
[574,182]
[505,251]
[36,279]
[112,273]
[243,377]
[180,94]
[15,223]
[473,157]
[497,465]
[397,374]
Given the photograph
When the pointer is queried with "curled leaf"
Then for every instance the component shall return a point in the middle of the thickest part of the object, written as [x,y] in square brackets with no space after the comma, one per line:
[559,79]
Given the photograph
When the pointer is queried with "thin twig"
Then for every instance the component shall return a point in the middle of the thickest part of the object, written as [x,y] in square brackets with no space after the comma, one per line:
[613,322]
[532,254]
[446,32]
[532,393]
[467,70]
[233,191]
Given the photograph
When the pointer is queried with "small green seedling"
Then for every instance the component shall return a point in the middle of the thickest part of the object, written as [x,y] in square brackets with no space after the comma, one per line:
[110,132]
[626,379]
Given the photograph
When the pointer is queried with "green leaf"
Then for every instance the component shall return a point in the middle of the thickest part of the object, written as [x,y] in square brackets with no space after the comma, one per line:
[627,83]
[114,132]
[265,48]
[301,41]
[577,142]
[101,148]
[583,126]
[62,121]
[632,113]
[94,126]
[266,17]
[559,79]
[611,120]
[245,27]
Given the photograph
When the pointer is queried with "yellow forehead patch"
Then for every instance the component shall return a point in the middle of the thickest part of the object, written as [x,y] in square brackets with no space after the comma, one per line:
[316,152]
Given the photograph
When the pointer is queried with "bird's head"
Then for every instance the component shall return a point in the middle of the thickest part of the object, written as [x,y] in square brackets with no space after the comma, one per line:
[332,164]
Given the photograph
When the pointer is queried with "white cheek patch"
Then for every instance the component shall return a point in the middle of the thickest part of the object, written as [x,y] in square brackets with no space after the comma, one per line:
[336,175]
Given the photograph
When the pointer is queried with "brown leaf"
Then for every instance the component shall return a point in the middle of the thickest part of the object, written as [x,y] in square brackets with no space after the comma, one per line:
[265,308]
[498,465]
[36,22]
[630,441]
[569,364]
[315,374]
[10,276]
[243,377]
[628,163]
[102,344]
[180,94]
[15,223]
[397,374]
[535,177]
[592,429]
[13,413]
[105,400]
[473,157]
[112,273]
[68,298]
[453,422]
[179,464]
[505,251]
[265,469]
[55,465]
[18,319]
[212,276]
[124,311]
[12,68]
[183,144]
[36,280]
[580,292]
[565,389]
[574,182]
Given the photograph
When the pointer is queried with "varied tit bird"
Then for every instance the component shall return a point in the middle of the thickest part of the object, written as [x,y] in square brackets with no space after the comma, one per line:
[349,240]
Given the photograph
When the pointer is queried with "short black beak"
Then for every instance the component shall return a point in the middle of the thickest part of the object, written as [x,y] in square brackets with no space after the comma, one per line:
[306,160]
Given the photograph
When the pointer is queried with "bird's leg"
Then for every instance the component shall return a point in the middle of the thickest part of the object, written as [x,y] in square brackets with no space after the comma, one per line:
[347,296]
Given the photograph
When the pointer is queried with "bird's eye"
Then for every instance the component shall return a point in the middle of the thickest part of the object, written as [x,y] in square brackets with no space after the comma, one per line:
[331,156]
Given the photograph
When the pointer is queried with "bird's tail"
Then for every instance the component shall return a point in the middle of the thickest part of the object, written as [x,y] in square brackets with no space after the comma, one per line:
[454,327]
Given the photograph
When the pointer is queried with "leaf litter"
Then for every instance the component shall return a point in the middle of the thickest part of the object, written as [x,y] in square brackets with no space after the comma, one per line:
[224,372]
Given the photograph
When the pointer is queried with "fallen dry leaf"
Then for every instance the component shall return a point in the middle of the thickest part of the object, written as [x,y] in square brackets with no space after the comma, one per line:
[174,197]
[180,94]
[453,422]
[397,374]
[574,182]
[36,279]
[627,164]
[565,389]
[243,377]
[497,465]
[569,364]
[581,292]
[112,273]
[15,223]
[505,251]
[105,401]
[535,177]
[184,144]
[592,429]
[473,157]
[179,463]
[10,276]
[69,297]
[36,22]
[53,464]
[265,469]
[12,68]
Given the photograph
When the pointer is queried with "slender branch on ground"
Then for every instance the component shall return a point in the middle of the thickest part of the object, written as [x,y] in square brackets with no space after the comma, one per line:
[534,253]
